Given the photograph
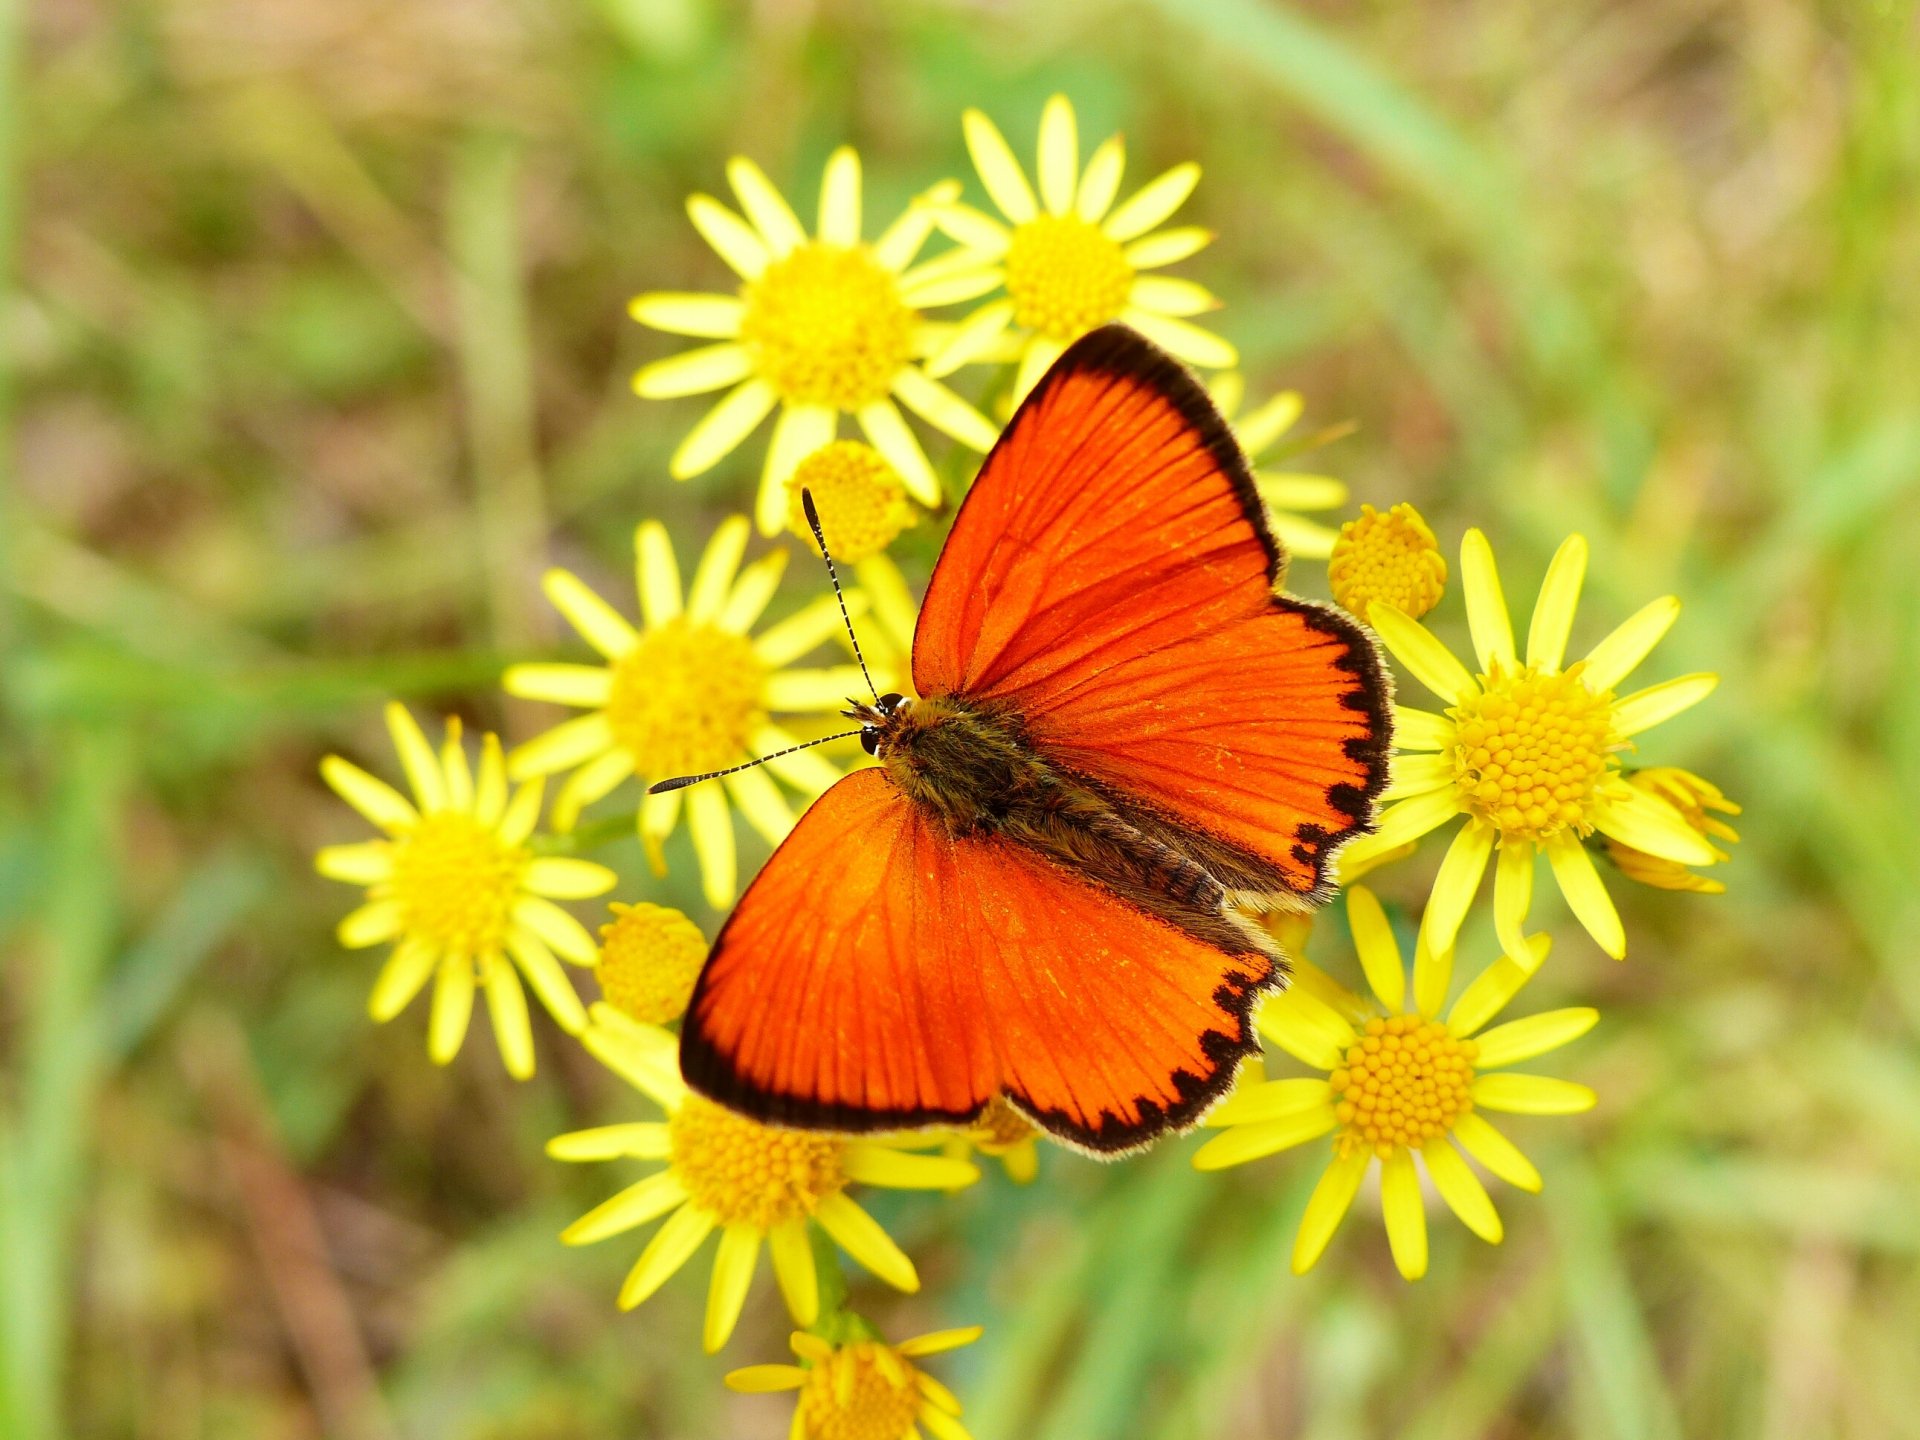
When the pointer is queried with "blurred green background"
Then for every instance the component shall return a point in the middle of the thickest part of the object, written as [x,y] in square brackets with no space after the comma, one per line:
[314,355]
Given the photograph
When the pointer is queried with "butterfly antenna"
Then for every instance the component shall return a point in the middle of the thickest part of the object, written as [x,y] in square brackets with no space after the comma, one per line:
[680,782]
[813,520]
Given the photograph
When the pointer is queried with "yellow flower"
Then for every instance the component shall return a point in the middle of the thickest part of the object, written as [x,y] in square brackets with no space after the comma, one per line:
[1071,260]
[688,692]
[820,325]
[1285,491]
[1693,797]
[1401,1078]
[455,885]
[650,957]
[860,498]
[1007,1135]
[1526,751]
[863,1388]
[753,1183]
[1390,558]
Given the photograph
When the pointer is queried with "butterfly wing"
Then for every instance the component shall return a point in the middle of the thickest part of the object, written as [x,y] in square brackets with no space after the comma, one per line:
[881,974]
[1112,579]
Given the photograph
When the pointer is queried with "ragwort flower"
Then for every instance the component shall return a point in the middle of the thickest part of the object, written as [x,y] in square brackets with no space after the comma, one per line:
[1403,1078]
[1285,491]
[454,884]
[689,691]
[1387,557]
[821,325]
[1699,802]
[755,1184]
[863,1388]
[1527,751]
[860,499]
[1071,260]
[650,959]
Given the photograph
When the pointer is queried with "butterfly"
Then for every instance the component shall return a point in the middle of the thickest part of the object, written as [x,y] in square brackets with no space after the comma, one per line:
[1122,734]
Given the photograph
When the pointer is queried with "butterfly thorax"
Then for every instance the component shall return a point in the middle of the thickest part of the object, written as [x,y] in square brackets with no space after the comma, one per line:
[974,769]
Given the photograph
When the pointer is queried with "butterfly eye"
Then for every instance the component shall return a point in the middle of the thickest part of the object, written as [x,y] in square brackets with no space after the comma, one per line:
[870,740]
[889,702]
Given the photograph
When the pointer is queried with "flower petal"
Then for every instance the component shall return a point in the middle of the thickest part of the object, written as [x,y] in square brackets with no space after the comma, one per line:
[759,800]
[794,1269]
[1432,974]
[887,429]
[1513,895]
[944,410]
[374,923]
[694,372]
[733,1267]
[562,933]
[1379,952]
[1240,1143]
[1183,340]
[401,978]
[656,575]
[507,1006]
[716,435]
[901,240]
[1559,597]
[1487,614]
[1100,181]
[644,1201]
[1166,295]
[935,1342]
[1533,1035]
[719,564]
[765,1379]
[1269,1100]
[1294,490]
[595,780]
[645,1056]
[567,744]
[732,239]
[1457,882]
[549,981]
[1493,1150]
[1462,1190]
[1586,893]
[378,801]
[634,1140]
[424,776]
[563,877]
[1307,1028]
[1040,353]
[785,641]
[800,430]
[1405,1213]
[1152,203]
[839,220]
[366,863]
[1059,158]
[1268,422]
[1489,991]
[1407,820]
[1647,708]
[1421,730]
[490,788]
[806,770]
[1425,658]
[1532,1094]
[522,813]
[703,317]
[452,1008]
[711,825]
[999,171]
[752,594]
[983,237]
[1303,538]
[1327,1207]
[1646,822]
[1616,657]
[971,339]
[902,1170]
[587,686]
[597,622]
[766,208]
[1166,247]
[860,1235]
[672,1246]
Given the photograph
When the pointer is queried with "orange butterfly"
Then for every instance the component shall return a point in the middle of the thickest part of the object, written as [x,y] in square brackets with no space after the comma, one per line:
[1121,728]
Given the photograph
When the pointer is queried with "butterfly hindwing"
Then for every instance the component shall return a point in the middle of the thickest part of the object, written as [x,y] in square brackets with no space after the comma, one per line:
[1111,577]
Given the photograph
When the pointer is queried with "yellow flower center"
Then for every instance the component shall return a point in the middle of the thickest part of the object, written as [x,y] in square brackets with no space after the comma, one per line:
[826,326]
[1001,1127]
[1405,1081]
[1066,276]
[456,883]
[1531,750]
[744,1173]
[686,699]
[858,1395]
[649,958]
[1387,556]
[861,499]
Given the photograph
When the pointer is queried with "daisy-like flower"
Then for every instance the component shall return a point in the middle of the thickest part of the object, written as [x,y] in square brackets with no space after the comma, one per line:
[821,325]
[1698,800]
[1527,751]
[1402,1078]
[753,1183]
[1070,259]
[861,500]
[1389,558]
[453,883]
[1285,491]
[650,957]
[689,691]
[863,1388]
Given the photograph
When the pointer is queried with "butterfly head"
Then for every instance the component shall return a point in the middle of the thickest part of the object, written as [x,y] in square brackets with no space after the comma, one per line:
[875,719]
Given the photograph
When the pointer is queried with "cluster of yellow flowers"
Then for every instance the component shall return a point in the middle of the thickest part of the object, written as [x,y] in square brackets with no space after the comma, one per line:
[1526,754]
